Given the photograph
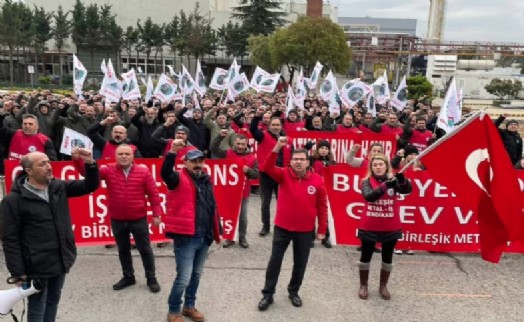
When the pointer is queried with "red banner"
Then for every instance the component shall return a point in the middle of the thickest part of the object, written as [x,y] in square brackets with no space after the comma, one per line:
[89,214]
[432,217]
[341,143]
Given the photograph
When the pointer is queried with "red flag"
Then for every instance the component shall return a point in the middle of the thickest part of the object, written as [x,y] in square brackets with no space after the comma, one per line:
[473,163]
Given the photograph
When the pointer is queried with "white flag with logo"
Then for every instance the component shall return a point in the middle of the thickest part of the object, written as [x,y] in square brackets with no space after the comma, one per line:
[290,99]
[400,99]
[131,89]
[218,81]
[370,104]
[103,68]
[351,94]
[165,89]
[149,89]
[269,83]
[200,80]
[80,73]
[110,89]
[237,86]
[300,90]
[233,71]
[315,75]
[258,75]
[334,103]
[328,87]
[450,110]
[186,81]
[72,139]
[459,100]
[381,90]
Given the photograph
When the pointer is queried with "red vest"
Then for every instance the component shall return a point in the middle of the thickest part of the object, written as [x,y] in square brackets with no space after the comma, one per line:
[22,144]
[180,208]
[420,139]
[110,149]
[293,126]
[386,129]
[364,129]
[383,214]
[266,145]
[181,153]
[343,129]
[249,160]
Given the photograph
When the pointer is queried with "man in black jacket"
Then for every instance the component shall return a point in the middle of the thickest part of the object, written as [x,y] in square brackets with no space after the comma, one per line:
[37,235]
[511,138]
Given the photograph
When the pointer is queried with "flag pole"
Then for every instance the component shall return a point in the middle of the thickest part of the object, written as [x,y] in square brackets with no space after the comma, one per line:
[444,138]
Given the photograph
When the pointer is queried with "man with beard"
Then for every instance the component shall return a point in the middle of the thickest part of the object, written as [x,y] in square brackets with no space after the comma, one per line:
[217,125]
[266,141]
[38,240]
[146,122]
[108,147]
[250,169]
[198,132]
[192,222]
[420,136]
[391,126]
[181,133]
[293,123]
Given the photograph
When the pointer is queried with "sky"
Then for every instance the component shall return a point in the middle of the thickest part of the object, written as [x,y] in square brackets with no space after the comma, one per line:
[467,20]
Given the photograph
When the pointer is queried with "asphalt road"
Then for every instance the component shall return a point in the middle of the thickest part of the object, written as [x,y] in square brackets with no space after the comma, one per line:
[424,287]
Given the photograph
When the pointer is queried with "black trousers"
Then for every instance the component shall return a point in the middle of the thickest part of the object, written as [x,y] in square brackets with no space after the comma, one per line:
[140,230]
[267,186]
[301,248]
[368,248]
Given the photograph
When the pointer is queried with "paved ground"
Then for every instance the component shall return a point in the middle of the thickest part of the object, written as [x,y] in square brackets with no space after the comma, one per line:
[424,287]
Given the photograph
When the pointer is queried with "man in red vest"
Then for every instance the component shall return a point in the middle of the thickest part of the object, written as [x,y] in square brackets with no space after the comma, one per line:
[108,147]
[181,133]
[302,201]
[26,140]
[239,150]
[192,222]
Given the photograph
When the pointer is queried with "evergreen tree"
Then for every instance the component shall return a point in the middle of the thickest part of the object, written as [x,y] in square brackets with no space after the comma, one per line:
[93,34]
[130,41]
[41,32]
[233,38]
[61,31]
[260,17]
[201,39]
[79,24]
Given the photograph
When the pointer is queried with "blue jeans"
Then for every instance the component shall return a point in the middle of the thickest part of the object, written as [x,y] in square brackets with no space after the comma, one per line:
[42,307]
[190,256]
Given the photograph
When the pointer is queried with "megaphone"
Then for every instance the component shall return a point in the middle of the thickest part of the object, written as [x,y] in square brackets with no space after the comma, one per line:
[9,298]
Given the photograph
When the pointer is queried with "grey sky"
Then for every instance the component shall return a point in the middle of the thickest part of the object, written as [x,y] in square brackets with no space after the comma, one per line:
[468,20]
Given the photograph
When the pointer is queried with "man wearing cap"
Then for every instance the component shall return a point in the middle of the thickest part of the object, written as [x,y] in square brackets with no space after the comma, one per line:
[511,138]
[192,222]
[181,133]
[292,122]
[199,134]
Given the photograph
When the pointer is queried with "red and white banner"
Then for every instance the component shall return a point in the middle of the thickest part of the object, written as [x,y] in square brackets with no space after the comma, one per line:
[92,225]
[432,217]
[341,143]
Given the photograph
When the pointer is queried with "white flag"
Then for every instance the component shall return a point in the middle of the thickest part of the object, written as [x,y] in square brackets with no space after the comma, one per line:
[196,102]
[103,68]
[351,94]
[329,87]
[300,90]
[233,71]
[143,81]
[165,89]
[460,95]
[315,75]
[187,82]
[172,71]
[131,89]
[80,74]
[149,89]
[110,88]
[400,99]
[237,86]
[268,83]
[200,80]
[258,75]
[370,104]
[218,81]
[381,90]
[334,105]
[72,139]
[289,99]
[450,110]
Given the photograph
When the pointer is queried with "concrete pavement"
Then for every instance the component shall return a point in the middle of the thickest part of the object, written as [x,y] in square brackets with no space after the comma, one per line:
[424,287]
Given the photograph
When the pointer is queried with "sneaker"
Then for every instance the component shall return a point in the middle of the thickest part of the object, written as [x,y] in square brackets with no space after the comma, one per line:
[228,243]
[243,243]
[193,314]
[409,252]
[175,317]
[153,285]
[124,282]
[398,252]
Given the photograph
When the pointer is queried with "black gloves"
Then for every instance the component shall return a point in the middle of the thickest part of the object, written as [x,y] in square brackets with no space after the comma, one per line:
[400,178]
[391,183]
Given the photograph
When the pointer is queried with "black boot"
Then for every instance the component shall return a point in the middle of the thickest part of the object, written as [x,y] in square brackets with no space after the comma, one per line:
[385,272]
[124,282]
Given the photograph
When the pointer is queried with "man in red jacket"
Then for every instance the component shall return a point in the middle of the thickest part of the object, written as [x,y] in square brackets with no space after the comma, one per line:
[301,201]
[127,185]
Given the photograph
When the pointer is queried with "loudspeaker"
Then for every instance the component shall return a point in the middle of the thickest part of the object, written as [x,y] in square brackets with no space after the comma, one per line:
[9,298]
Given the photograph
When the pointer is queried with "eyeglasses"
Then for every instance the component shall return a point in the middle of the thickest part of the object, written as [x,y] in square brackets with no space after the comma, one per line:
[298,159]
